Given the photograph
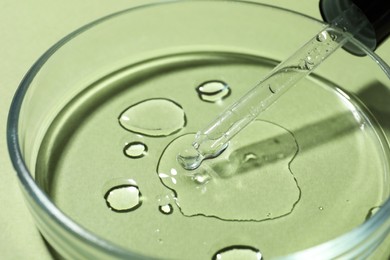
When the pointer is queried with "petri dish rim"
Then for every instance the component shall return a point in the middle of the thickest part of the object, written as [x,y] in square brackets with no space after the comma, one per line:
[375,228]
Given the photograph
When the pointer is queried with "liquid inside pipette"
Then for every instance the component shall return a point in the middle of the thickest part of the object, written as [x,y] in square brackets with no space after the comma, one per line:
[214,138]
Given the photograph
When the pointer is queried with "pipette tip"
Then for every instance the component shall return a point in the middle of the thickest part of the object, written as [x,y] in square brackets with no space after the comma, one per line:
[190,158]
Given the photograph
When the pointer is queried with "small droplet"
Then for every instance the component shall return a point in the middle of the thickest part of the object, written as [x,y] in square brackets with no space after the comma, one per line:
[135,150]
[238,252]
[320,208]
[166,209]
[213,91]
[123,198]
[167,117]
[322,36]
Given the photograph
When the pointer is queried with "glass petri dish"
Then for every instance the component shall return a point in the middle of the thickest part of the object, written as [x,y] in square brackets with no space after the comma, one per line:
[96,124]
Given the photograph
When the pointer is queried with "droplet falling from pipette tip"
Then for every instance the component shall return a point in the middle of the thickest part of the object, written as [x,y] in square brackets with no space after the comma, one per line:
[190,158]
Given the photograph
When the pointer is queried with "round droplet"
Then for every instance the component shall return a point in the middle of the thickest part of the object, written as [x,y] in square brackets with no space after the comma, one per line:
[238,252]
[320,208]
[123,198]
[166,209]
[135,150]
[189,158]
[213,91]
[153,117]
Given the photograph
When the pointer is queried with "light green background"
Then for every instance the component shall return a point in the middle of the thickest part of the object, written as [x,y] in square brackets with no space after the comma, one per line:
[27,29]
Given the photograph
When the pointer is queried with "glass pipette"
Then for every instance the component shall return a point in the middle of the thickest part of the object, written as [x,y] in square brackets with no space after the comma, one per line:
[214,138]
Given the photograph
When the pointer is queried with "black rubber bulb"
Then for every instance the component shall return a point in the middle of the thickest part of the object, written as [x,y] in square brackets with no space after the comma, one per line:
[377,13]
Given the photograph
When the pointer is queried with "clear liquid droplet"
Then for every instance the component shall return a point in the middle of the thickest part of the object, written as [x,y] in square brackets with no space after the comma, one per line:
[167,117]
[238,252]
[135,150]
[190,158]
[213,91]
[123,198]
[166,209]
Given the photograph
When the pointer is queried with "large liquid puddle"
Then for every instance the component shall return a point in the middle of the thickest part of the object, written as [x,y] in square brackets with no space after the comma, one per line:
[250,181]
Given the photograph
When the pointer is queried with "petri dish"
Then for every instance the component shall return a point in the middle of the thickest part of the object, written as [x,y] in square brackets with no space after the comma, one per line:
[97,122]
